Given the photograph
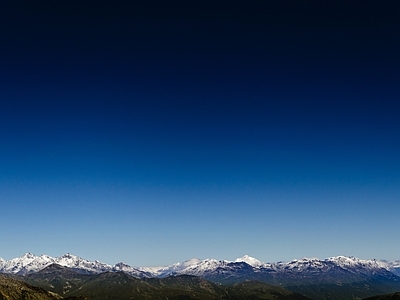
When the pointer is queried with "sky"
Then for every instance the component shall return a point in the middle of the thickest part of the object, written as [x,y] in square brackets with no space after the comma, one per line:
[151,132]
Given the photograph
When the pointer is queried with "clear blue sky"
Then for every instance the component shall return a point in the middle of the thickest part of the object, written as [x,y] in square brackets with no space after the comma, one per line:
[154,133]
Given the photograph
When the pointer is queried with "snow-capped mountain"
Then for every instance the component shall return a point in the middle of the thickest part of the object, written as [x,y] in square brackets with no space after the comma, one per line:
[392,266]
[77,263]
[242,268]
[248,267]
[250,261]
[172,269]
[197,267]
[202,267]
[339,262]
[30,263]
[135,272]
[334,276]
[25,264]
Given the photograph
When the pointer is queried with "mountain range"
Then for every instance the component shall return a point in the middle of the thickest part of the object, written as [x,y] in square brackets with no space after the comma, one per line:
[339,277]
[30,263]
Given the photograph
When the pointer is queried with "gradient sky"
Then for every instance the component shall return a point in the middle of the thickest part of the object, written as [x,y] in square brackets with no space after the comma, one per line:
[152,133]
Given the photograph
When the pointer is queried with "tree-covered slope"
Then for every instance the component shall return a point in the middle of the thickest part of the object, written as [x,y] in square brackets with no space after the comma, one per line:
[12,289]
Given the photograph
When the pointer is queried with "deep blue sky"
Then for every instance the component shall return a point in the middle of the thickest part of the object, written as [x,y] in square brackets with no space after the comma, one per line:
[152,133]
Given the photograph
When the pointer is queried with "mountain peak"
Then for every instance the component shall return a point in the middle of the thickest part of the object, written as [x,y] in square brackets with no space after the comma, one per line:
[191,262]
[249,260]
[28,255]
[69,256]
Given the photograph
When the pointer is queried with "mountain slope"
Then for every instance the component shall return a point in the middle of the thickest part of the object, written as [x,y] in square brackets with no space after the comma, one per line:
[122,286]
[114,285]
[11,289]
[57,279]
[394,296]
[260,290]
[119,285]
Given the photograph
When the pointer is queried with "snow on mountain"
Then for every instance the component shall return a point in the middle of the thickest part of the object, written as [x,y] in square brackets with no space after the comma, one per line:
[203,267]
[77,263]
[301,265]
[395,270]
[26,263]
[392,266]
[172,269]
[337,263]
[250,261]
[136,272]
[193,266]
[29,263]
[123,267]
[351,263]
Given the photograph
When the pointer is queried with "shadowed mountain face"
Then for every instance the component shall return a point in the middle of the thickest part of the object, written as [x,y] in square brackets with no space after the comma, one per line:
[119,285]
[343,285]
[337,283]
[394,296]
[56,278]
[260,290]
[348,291]
[179,288]
[192,286]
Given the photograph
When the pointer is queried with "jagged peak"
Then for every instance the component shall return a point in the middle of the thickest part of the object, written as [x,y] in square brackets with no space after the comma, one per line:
[69,256]
[343,257]
[28,255]
[122,264]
